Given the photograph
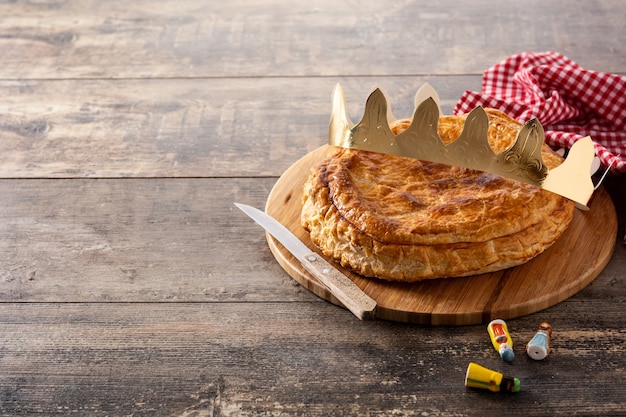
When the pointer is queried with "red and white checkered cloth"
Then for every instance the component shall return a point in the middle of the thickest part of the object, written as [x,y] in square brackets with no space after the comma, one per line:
[570,102]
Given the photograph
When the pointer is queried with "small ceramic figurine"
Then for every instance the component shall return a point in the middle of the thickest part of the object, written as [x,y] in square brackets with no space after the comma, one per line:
[480,377]
[501,339]
[539,346]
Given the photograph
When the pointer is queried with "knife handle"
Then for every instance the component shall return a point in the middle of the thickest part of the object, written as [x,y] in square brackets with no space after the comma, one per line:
[346,291]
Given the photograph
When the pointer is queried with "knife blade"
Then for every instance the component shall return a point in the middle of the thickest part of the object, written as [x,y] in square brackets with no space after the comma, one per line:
[346,291]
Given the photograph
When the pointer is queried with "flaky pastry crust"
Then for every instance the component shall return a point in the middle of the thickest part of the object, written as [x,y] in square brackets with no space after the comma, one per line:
[402,219]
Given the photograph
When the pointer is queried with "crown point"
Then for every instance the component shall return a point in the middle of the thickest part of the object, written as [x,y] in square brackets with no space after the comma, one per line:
[340,124]
[425,92]
[568,179]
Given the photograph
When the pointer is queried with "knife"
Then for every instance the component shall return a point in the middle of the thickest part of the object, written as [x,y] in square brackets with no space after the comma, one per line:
[346,291]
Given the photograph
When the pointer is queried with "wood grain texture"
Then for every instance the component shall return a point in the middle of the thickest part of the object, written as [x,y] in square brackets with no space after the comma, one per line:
[187,39]
[181,127]
[215,359]
[538,284]
[131,286]
[136,241]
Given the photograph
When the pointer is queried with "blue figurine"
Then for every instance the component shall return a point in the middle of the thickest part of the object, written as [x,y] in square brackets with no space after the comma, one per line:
[539,346]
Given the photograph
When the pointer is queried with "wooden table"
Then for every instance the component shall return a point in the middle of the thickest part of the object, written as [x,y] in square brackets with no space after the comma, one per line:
[131,286]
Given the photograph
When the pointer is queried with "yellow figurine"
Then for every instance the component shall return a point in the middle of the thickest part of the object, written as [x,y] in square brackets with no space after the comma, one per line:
[480,377]
[539,346]
[501,339]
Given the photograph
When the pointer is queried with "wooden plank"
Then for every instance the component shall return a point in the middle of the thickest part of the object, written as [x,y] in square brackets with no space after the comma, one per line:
[169,240]
[136,240]
[120,39]
[182,128]
[292,358]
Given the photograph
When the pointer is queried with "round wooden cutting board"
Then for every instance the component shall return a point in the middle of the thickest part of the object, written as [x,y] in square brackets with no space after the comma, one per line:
[565,268]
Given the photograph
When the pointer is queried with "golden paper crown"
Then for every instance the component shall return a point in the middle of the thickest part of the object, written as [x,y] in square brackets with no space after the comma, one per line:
[522,161]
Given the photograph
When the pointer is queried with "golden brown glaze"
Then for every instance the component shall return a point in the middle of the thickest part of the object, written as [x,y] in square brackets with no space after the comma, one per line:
[402,219]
